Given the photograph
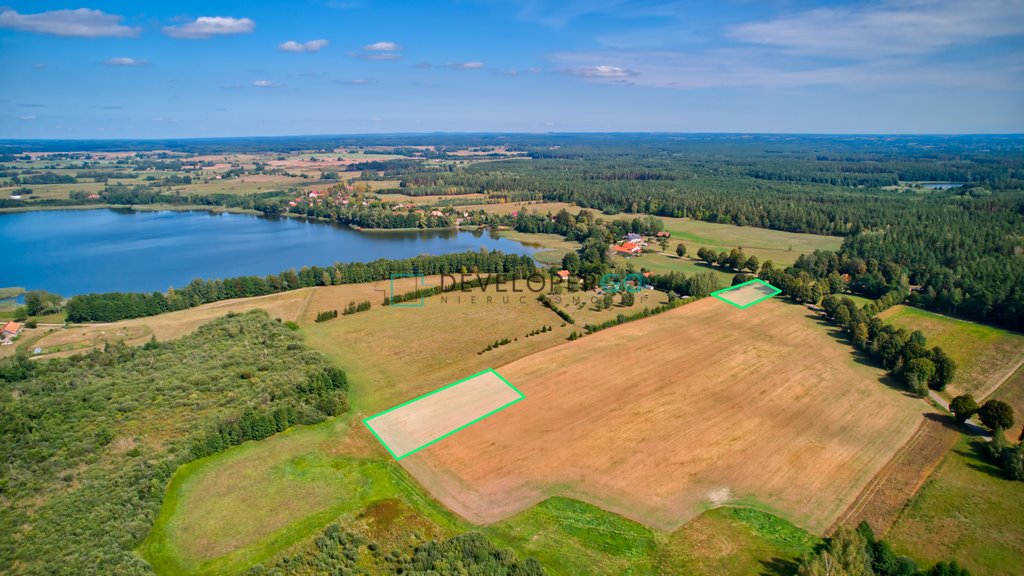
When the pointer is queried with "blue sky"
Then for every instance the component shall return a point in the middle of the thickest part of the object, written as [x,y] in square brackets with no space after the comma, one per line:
[204,69]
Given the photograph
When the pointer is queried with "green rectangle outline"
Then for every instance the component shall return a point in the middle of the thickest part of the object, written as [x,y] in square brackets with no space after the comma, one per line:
[749,304]
[391,297]
[366,421]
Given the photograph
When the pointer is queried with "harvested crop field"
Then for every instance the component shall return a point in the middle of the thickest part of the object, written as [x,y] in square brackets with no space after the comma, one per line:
[420,422]
[881,502]
[663,418]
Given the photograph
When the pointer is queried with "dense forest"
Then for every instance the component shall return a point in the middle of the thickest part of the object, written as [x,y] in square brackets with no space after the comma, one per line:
[962,247]
[89,442]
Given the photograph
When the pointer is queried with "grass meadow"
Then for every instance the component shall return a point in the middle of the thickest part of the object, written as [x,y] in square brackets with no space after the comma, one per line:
[985,355]
[968,512]
[775,245]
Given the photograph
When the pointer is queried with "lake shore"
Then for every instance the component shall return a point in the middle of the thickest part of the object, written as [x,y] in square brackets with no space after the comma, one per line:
[136,207]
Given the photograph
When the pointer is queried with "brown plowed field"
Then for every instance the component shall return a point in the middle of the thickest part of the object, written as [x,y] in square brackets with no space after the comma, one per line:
[665,417]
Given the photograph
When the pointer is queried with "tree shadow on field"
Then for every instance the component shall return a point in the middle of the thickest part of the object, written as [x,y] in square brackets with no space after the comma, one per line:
[968,429]
[977,458]
[858,356]
[778,567]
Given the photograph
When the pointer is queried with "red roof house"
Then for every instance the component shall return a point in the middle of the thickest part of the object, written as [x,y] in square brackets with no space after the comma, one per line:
[563,274]
[10,329]
[627,248]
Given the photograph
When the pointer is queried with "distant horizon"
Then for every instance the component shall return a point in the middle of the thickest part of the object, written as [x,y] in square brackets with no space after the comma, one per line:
[4,139]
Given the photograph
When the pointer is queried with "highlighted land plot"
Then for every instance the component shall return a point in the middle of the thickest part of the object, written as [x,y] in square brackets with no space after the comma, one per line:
[420,422]
[747,294]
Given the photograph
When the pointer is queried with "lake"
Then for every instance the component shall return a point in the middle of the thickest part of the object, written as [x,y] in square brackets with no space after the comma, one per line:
[942,185]
[80,251]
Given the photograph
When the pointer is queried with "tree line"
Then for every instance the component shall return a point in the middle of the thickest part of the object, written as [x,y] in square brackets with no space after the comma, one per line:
[114,306]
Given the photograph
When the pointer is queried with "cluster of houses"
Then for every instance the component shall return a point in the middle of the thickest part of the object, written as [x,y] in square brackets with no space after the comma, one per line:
[345,199]
[316,196]
[634,243]
[9,331]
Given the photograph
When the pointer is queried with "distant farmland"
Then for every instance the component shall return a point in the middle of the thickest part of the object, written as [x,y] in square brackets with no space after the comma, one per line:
[661,419]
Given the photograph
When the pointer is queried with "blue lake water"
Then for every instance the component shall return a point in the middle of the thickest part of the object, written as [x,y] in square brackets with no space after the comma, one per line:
[80,251]
[942,185]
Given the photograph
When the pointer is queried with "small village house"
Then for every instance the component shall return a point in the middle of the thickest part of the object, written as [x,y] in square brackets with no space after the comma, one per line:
[627,248]
[10,330]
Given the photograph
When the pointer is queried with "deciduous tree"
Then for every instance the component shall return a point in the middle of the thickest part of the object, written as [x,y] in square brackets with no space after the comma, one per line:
[963,407]
[996,415]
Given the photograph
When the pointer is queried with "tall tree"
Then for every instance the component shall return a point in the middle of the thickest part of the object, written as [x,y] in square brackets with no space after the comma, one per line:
[945,369]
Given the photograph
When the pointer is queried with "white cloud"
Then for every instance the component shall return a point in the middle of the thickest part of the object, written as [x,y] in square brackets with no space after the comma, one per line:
[300,47]
[891,28]
[209,26]
[28,117]
[755,68]
[603,71]
[124,61]
[266,84]
[474,65]
[83,22]
[383,46]
[867,45]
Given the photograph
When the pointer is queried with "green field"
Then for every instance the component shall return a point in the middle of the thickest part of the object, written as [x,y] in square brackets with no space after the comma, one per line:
[251,503]
[968,512]
[394,353]
[775,245]
[985,355]
[208,524]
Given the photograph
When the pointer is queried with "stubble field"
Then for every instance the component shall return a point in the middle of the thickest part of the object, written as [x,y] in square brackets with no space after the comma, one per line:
[659,420]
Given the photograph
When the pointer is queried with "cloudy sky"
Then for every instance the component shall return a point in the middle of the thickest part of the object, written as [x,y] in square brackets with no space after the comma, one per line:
[200,69]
